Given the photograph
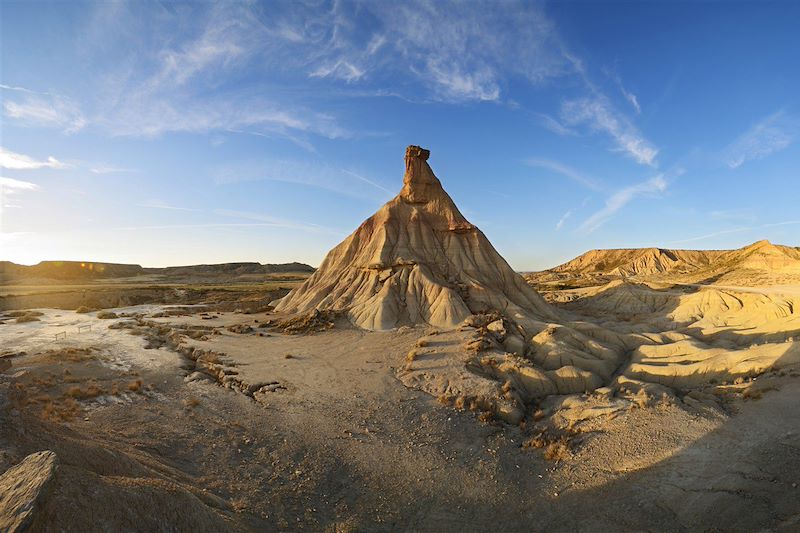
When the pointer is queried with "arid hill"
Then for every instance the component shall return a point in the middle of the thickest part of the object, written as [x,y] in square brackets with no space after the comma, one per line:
[416,261]
[638,261]
[761,263]
[88,270]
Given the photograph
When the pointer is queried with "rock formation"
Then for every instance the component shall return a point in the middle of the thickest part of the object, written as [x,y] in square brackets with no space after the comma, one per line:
[760,263]
[22,489]
[415,261]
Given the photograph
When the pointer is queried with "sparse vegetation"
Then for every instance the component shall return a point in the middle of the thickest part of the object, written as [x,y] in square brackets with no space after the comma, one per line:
[191,403]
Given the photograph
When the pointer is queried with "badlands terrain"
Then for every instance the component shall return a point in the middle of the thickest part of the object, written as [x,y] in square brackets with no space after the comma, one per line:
[414,381]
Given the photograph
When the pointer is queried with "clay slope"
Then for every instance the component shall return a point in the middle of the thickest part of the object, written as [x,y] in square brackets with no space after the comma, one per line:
[757,264]
[417,260]
[638,261]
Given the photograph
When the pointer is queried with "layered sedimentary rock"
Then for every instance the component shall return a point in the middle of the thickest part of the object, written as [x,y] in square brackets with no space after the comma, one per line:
[417,261]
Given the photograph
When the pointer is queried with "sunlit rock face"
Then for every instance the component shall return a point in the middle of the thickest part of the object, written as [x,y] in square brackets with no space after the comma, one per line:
[417,261]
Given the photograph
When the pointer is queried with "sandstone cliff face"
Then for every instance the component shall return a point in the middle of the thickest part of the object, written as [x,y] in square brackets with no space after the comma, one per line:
[417,260]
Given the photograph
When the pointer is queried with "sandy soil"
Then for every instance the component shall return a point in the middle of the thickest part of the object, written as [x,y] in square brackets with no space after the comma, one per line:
[341,444]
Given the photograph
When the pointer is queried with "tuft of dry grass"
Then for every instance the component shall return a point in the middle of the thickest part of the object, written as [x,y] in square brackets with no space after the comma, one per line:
[421,343]
[27,318]
[557,445]
[445,399]
[486,416]
[191,403]
[460,402]
[557,451]
[135,386]
[79,393]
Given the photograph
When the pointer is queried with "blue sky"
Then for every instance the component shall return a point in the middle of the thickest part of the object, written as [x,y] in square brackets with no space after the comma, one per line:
[179,133]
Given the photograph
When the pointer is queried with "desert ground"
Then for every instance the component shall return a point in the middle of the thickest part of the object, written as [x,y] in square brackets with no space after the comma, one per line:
[412,382]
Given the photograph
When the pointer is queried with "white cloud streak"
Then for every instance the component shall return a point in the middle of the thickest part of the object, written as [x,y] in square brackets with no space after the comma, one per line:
[309,173]
[598,114]
[770,135]
[15,161]
[10,184]
[109,169]
[564,170]
[738,229]
[9,188]
[620,199]
[56,112]
[563,219]
[160,204]
[269,220]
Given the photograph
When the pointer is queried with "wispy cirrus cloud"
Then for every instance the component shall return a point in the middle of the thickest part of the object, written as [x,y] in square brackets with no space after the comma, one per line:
[453,51]
[14,161]
[737,229]
[109,169]
[564,170]
[770,135]
[598,114]
[35,108]
[310,173]
[161,204]
[341,69]
[269,220]
[620,199]
[563,219]
[10,184]
[10,188]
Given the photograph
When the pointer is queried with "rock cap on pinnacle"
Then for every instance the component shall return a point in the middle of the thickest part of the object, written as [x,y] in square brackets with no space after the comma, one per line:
[420,185]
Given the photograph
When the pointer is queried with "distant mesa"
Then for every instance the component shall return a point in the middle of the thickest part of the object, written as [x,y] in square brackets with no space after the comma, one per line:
[417,260]
[88,270]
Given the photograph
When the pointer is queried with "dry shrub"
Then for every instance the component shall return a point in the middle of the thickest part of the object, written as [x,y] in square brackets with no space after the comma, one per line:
[411,356]
[27,318]
[445,399]
[73,355]
[288,356]
[92,391]
[63,411]
[486,416]
[191,403]
[557,445]
[538,415]
[460,402]
[422,343]
[135,386]
[15,314]
[557,451]
[107,315]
